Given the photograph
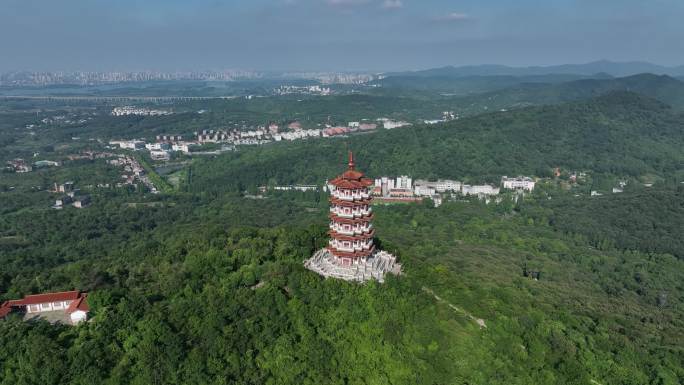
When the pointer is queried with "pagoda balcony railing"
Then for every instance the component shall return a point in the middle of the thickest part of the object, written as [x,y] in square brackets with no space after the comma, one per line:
[359,231]
[351,214]
[352,249]
[359,208]
[350,197]
[358,243]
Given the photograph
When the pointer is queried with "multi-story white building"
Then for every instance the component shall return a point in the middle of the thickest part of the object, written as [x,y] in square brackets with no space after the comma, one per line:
[441,185]
[518,183]
[385,184]
[129,144]
[183,147]
[479,190]
[385,181]
[301,134]
[158,146]
[423,190]
[404,182]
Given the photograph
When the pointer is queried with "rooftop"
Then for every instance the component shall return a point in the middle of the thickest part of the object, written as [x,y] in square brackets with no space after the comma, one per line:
[351,179]
[48,297]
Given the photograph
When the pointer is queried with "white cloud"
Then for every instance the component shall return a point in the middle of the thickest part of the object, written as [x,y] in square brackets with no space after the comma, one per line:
[392,4]
[453,17]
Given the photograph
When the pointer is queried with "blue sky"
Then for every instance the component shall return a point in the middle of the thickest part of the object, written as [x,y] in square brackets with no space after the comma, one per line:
[374,35]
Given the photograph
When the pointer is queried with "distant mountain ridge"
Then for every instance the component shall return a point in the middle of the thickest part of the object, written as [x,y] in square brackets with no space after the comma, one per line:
[465,85]
[663,88]
[592,68]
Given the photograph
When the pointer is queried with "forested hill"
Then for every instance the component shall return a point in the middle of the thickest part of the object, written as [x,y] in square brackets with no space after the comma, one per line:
[664,88]
[601,66]
[467,85]
[620,133]
[475,95]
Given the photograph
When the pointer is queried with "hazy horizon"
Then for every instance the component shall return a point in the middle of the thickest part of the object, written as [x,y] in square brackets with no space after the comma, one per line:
[333,35]
[323,70]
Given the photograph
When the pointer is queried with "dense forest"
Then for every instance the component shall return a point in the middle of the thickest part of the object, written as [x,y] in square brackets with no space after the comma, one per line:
[213,291]
[507,92]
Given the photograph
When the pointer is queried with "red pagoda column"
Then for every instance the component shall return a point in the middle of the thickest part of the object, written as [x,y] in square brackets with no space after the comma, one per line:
[351,231]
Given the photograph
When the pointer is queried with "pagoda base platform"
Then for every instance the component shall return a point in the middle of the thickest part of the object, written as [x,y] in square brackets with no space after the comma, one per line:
[365,269]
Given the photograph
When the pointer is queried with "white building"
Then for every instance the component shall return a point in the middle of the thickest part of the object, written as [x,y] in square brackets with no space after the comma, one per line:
[82,202]
[440,186]
[404,182]
[423,190]
[384,181]
[62,201]
[130,110]
[518,183]
[129,144]
[78,310]
[158,146]
[479,190]
[390,124]
[301,134]
[182,147]
[160,155]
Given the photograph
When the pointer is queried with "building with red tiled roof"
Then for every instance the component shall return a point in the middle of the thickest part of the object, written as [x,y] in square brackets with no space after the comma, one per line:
[74,303]
[5,309]
[48,298]
[78,309]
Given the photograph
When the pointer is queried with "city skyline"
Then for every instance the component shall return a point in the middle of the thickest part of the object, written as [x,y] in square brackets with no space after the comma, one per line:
[333,35]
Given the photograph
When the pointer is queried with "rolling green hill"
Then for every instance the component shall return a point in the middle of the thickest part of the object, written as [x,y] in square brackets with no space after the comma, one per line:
[205,285]
[664,88]
[621,134]
[409,84]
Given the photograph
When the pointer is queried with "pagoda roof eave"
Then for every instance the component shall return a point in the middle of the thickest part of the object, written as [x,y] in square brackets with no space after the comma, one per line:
[344,183]
[363,219]
[343,202]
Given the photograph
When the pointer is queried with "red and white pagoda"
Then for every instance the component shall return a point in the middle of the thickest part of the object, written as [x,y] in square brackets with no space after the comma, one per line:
[351,254]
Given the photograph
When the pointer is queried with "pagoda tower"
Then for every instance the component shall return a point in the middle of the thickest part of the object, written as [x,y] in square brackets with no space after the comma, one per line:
[351,231]
[351,254]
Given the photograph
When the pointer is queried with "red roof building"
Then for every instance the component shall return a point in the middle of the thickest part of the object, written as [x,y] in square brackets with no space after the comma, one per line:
[73,303]
[37,299]
[5,309]
[351,231]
